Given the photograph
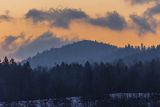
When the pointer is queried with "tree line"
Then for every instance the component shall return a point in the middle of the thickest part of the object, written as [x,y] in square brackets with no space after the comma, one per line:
[21,82]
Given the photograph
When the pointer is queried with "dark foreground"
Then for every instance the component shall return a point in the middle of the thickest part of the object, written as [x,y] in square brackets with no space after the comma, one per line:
[112,100]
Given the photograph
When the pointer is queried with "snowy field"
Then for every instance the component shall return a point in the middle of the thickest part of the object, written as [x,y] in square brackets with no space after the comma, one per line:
[111,100]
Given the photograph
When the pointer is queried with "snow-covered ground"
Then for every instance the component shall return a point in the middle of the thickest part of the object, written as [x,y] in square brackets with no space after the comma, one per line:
[131,95]
[65,102]
[125,99]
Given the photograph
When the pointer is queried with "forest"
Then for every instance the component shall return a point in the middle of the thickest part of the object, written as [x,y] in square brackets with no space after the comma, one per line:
[21,82]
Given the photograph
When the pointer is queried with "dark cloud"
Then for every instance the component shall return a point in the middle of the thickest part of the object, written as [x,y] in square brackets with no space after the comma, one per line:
[44,42]
[153,10]
[57,17]
[144,24]
[36,15]
[134,2]
[63,17]
[112,21]
[8,43]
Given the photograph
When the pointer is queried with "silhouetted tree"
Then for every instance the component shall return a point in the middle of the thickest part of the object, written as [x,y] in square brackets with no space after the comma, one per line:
[5,61]
[21,82]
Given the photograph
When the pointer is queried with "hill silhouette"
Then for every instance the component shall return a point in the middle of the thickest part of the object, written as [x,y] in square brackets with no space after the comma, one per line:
[92,51]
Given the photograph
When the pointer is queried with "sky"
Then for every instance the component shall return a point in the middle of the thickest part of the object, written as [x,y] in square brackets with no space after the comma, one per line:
[31,26]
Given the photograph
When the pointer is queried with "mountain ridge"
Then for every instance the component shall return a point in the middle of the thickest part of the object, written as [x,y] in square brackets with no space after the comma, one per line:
[92,51]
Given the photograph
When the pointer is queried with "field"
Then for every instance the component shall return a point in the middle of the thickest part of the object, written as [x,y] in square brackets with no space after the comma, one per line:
[111,100]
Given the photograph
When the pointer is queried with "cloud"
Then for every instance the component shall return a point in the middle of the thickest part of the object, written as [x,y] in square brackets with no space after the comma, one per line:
[112,21]
[57,17]
[5,18]
[9,42]
[144,24]
[153,10]
[63,17]
[44,42]
[134,2]
[37,15]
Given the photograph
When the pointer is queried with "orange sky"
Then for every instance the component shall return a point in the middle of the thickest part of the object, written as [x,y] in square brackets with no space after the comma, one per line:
[78,29]
[19,7]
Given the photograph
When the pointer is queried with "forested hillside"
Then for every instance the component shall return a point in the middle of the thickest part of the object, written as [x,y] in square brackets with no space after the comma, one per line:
[93,51]
[21,82]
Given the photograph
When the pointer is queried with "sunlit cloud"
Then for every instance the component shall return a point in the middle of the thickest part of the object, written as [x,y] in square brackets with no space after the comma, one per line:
[45,41]
[10,42]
